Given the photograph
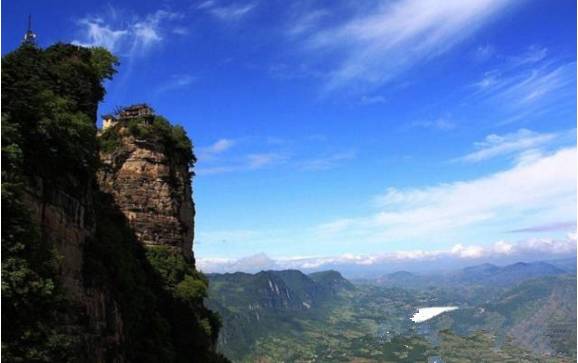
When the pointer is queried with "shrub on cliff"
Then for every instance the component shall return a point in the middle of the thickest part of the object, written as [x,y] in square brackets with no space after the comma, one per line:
[173,138]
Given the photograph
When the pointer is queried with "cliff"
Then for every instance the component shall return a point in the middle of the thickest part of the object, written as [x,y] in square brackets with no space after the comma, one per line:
[97,259]
[152,189]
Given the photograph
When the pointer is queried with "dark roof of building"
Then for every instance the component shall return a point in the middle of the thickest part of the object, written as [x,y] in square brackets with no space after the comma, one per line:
[137,107]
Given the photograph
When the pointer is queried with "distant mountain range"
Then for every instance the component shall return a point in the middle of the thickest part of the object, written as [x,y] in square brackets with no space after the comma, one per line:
[484,275]
[292,316]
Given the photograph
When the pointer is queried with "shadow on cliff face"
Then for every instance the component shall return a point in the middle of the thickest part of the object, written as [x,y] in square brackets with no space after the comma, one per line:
[144,319]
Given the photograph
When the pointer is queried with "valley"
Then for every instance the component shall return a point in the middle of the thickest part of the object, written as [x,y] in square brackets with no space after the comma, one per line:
[288,316]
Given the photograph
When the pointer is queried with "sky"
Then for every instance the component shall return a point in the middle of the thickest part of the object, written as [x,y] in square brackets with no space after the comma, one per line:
[351,132]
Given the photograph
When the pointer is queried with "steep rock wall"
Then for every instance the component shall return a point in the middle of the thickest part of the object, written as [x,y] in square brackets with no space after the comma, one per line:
[153,191]
[68,220]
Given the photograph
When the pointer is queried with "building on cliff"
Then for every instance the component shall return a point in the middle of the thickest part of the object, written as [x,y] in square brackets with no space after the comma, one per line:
[141,110]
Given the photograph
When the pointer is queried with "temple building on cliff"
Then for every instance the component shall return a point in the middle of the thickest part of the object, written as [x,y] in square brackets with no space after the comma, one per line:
[141,111]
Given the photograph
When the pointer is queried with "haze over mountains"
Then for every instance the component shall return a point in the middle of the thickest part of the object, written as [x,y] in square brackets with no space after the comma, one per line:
[559,253]
[485,274]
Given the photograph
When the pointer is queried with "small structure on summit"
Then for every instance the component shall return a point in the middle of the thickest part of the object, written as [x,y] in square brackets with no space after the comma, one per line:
[138,110]
[29,36]
[141,111]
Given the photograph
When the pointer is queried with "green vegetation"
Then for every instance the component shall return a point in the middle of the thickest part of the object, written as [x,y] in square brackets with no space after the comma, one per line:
[49,102]
[49,144]
[178,274]
[160,132]
[481,347]
[48,133]
[370,323]
[154,283]
[32,300]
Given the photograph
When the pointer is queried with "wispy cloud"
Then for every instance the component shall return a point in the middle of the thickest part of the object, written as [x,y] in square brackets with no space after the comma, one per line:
[530,86]
[307,22]
[217,148]
[521,141]
[543,188]
[215,159]
[126,34]
[484,53]
[533,54]
[245,163]
[381,42]
[327,162]
[97,33]
[372,100]
[556,226]
[257,161]
[527,85]
[175,82]
[261,153]
[227,12]
[441,123]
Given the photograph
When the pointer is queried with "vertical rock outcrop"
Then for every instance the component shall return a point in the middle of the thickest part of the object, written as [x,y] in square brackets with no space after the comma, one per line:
[153,191]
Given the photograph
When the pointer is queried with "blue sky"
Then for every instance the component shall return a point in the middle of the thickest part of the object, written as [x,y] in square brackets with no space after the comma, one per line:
[354,131]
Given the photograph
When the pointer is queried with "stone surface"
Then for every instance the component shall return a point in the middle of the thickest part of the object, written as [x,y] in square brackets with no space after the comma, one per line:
[69,222]
[153,191]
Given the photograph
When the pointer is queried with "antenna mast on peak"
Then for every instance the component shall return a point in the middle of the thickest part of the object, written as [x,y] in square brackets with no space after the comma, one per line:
[29,36]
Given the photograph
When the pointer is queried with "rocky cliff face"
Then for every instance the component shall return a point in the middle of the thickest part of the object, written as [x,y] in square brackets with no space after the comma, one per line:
[153,191]
[67,219]
[96,253]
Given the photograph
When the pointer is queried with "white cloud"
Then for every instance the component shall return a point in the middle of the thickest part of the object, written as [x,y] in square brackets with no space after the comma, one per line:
[207,4]
[535,248]
[214,158]
[257,161]
[230,12]
[484,52]
[522,140]
[438,124]
[535,85]
[382,42]
[544,188]
[527,86]
[254,263]
[327,162]
[372,100]
[175,82]
[533,54]
[126,38]
[218,147]
[307,22]
[268,152]
[97,33]
[245,163]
